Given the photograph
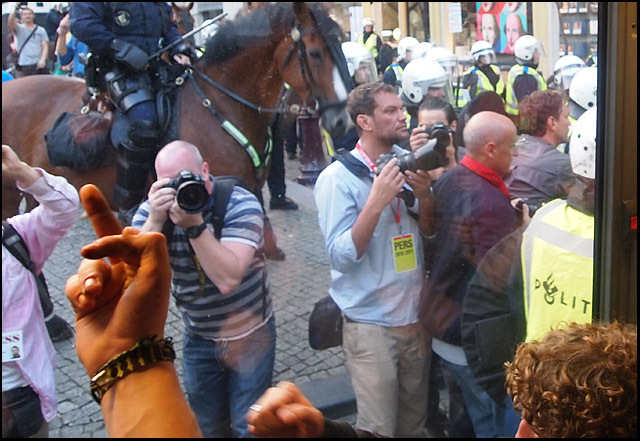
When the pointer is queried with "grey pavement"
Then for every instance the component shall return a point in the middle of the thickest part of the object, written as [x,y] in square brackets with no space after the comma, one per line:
[296,284]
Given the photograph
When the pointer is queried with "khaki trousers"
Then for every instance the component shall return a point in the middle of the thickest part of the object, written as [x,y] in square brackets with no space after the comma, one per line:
[389,370]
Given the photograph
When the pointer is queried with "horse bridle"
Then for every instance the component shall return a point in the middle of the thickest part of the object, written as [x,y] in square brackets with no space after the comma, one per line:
[309,81]
[305,68]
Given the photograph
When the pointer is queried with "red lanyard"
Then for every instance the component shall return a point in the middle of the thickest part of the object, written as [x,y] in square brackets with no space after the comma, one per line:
[366,158]
[396,212]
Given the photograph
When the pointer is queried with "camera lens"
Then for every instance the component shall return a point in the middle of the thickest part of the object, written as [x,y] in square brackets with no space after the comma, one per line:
[192,196]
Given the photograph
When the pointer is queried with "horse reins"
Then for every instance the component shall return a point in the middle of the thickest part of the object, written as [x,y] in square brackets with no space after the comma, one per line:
[258,162]
[309,81]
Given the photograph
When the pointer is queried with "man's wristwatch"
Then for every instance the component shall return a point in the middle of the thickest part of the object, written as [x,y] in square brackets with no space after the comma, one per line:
[195,231]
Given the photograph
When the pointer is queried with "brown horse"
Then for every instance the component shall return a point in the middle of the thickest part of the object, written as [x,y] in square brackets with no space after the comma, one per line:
[239,79]
[183,18]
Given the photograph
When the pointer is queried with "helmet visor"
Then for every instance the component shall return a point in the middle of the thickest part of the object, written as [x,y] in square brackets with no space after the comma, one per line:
[441,89]
[366,72]
[486,57]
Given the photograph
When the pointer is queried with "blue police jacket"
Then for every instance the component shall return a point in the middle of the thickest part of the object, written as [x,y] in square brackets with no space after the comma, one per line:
[147,25]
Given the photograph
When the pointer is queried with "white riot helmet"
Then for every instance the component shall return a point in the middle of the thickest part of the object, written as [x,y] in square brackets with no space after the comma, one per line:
[582,146]
[360,62]
[525,49]
[481,49]
[584,87]
[406,44]
[445,58]
[564,70]
[420,51]
[421,75]
[367,22]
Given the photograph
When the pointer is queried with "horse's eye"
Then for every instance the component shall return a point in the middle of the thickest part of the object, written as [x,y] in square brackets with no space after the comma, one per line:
[316,55]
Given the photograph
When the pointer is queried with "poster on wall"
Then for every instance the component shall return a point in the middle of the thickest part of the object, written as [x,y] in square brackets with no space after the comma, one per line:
[502,23]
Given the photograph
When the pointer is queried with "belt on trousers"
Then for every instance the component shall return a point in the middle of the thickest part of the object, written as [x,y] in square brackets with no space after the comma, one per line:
[16,395]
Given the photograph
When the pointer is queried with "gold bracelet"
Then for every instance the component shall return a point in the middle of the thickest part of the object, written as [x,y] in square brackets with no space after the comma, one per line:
[147,351]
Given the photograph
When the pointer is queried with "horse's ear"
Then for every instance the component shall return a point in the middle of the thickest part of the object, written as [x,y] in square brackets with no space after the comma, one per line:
[190,6]
[301,10]
[175,7]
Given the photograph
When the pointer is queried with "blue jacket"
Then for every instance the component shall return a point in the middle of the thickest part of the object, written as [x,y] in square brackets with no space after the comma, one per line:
[147,25]
[75,48]
[472,215]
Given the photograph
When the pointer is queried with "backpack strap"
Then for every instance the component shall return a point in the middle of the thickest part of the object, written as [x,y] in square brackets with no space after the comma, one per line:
[16,246]
[222,189]
[14,243]
[352,164]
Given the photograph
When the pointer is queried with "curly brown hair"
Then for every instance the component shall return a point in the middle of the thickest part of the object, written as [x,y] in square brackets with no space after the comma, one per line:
[536,108]
[578,382]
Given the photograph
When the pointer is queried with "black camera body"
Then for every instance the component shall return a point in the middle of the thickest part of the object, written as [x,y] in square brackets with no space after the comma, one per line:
[532,207]
[428,157]
[191,193]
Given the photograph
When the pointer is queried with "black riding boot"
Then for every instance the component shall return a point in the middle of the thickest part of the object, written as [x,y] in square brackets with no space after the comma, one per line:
[134,163]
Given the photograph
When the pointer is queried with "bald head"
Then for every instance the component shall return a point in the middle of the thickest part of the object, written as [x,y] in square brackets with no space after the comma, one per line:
[484,127]
[177,156]
[489,138]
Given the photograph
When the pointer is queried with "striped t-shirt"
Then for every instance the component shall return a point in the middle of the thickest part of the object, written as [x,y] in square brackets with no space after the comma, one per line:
[207,312]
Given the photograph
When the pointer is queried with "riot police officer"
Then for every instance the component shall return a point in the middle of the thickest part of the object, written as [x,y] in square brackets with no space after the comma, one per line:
[485,74]
[523,78]
[393,72]
[121,37]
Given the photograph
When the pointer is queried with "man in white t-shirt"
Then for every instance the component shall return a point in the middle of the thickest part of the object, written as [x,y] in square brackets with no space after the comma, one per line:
[32,49]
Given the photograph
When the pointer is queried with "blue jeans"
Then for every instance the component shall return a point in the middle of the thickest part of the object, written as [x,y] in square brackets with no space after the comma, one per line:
[490,419]
[223,379]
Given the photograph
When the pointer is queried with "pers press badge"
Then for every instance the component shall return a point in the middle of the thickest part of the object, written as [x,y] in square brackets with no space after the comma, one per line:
[404,253]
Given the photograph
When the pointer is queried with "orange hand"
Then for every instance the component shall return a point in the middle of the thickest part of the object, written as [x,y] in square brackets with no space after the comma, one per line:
[102,219]
[120,303]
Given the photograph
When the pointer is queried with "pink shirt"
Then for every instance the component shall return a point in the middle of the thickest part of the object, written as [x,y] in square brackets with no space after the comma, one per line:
[41,229]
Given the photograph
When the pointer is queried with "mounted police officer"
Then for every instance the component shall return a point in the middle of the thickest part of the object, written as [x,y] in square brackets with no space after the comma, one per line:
[121,36]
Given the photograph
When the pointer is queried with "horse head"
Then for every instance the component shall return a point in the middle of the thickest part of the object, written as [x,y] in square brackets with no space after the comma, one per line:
[311,61]
[183,18]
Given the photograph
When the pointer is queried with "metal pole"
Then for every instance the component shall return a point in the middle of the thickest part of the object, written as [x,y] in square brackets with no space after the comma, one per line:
[189,34]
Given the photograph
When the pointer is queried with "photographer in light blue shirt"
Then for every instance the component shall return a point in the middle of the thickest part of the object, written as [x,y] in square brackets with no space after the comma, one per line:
[374,241]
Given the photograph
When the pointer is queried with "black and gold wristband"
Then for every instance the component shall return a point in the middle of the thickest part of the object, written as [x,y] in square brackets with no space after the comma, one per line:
[147,351]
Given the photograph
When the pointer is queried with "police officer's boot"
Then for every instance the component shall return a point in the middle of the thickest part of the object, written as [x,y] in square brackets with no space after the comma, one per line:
[134,163]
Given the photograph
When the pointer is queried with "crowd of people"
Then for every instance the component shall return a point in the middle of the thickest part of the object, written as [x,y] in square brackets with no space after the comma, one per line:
[454,214]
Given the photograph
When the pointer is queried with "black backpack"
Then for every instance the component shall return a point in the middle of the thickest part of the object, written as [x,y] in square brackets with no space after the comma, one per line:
[16,246]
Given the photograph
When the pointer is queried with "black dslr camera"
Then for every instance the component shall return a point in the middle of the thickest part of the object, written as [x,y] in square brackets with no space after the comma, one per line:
[428,157]
[191,193]
[532,207]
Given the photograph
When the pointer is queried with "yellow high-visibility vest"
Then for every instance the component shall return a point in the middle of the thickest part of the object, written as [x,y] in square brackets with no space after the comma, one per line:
[512,101]
[370,44]
[483,82]
[557,268]
[397,71]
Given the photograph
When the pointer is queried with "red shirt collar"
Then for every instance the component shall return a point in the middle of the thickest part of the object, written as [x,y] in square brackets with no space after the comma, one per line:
[485,172]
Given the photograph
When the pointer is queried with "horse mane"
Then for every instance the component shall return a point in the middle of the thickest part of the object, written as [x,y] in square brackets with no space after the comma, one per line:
[249,30]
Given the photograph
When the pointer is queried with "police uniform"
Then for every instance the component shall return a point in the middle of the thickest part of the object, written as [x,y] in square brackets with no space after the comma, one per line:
[557,268]
[122,35]
[515,73]
[372,42]
[482,82]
